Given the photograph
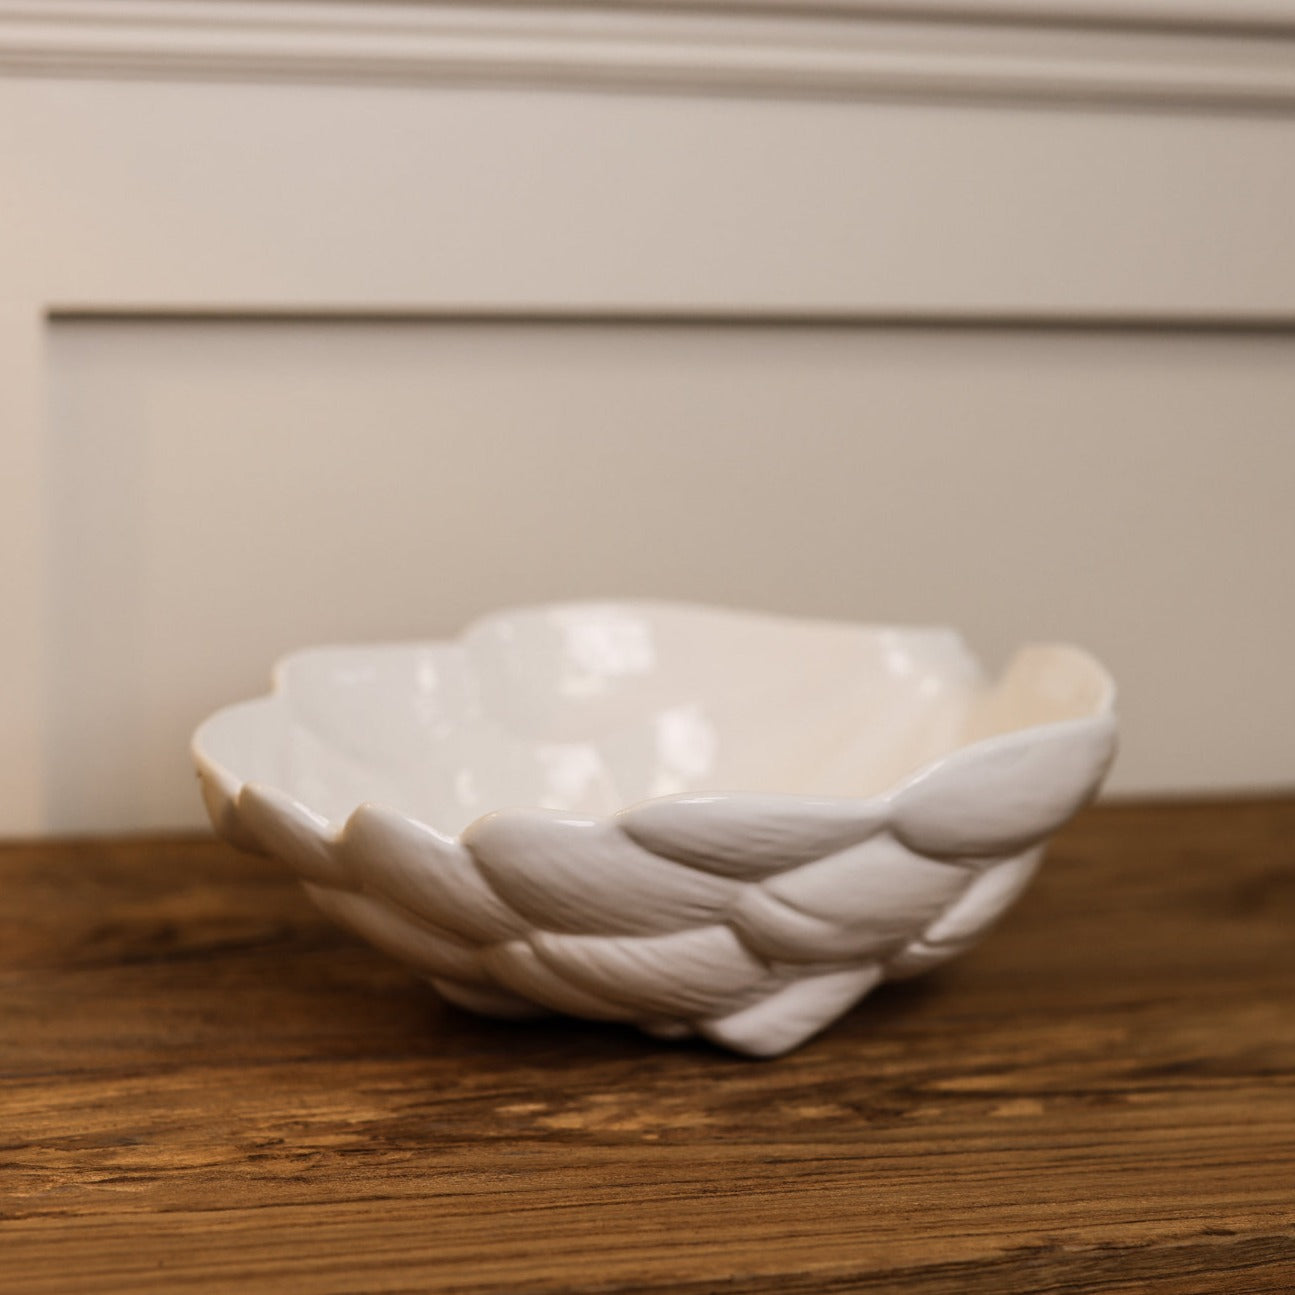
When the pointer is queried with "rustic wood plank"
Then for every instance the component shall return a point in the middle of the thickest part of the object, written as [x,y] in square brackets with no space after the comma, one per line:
[203,1085]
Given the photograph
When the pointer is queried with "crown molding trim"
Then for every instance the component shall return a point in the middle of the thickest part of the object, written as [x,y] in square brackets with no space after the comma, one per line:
[1154,53]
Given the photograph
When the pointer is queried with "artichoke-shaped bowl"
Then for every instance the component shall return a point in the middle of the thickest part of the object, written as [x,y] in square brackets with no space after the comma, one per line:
[693,820]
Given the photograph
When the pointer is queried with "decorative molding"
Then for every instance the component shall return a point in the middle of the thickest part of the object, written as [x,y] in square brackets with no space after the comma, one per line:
[1238,16]
[1167,53]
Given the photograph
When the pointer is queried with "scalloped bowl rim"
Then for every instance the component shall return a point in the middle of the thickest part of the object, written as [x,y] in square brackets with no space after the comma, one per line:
[1101,713]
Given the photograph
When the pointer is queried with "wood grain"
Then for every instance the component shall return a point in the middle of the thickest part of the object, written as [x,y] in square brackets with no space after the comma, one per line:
[204,1086]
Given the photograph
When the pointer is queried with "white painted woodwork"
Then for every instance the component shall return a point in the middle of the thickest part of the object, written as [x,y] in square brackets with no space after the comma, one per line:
[229,491]
[173,171]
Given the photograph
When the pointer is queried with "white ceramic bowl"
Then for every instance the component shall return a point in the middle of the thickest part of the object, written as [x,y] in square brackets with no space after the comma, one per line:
[693,820]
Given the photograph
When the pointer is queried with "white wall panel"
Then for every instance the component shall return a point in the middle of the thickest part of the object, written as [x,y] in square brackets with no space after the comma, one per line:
[179,501]
[222,492]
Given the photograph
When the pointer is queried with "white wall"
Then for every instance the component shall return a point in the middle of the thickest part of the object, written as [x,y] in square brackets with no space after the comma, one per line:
[1016,360]
[232,490]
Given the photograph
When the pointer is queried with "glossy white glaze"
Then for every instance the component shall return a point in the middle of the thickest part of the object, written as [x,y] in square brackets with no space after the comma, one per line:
[690,819]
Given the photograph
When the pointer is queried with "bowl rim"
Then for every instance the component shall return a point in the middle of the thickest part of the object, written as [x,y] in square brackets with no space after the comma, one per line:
[230,786]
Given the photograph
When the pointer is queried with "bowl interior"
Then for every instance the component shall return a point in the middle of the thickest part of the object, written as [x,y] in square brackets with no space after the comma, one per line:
[590,707]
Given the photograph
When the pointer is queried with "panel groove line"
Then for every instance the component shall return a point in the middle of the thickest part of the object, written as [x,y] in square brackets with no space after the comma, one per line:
[1275,324]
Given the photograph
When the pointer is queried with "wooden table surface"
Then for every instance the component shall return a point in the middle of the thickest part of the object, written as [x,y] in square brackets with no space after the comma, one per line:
[206,1087]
